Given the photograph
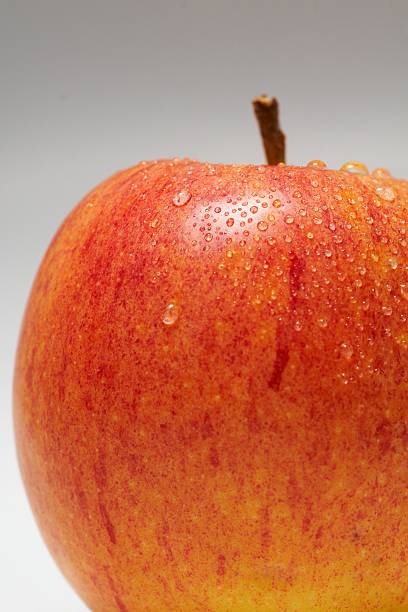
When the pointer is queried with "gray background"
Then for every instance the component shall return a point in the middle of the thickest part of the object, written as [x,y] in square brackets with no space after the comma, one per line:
[91,87]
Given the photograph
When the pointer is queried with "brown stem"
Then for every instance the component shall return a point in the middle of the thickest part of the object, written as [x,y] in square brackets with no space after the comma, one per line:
[267,113]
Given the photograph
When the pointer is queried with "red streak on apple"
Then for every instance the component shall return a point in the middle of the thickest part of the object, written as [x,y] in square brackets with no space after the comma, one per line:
[211,391]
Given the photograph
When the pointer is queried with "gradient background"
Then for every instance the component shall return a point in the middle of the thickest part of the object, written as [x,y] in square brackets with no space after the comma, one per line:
[89,87]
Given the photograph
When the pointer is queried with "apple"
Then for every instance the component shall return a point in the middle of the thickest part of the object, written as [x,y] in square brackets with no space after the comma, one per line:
[211,390]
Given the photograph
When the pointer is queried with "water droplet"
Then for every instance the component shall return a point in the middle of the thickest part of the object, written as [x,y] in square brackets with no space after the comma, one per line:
[322,322]
[182,198]
[381,173]
[155,222]
[402,340]
[404,291]
[310,235]
[230,222]
[346,351]
[217,209]
[393,263]
[332,227]
[387,311]
[385,193]
[354,167]
[289,219]
[254,209]
[171,314]
[277,203]
[317,163]
[328,253]
[298,325]
[317,221]
[262,226]
[208,237]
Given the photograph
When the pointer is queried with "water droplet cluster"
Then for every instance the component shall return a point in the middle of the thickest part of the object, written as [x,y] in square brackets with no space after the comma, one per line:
[344,226]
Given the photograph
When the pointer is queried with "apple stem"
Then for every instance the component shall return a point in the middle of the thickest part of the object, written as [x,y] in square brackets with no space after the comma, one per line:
[267,113]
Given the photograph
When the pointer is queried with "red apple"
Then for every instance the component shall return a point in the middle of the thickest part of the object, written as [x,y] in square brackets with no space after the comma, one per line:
[211,390]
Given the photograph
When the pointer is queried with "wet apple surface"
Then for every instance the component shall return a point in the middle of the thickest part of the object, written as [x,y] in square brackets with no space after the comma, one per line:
[211,390]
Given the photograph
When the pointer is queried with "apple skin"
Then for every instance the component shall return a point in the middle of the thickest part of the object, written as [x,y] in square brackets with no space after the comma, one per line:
[211,415]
